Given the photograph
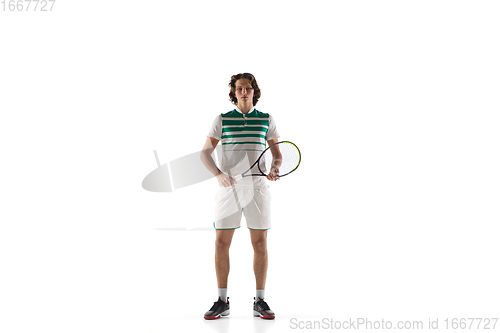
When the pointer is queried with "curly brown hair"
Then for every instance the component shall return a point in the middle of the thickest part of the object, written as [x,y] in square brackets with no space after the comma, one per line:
[253,82]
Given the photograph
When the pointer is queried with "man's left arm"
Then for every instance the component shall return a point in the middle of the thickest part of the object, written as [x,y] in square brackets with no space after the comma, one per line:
[277,159]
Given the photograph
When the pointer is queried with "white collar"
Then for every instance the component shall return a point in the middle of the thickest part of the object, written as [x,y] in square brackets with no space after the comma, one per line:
[251,110]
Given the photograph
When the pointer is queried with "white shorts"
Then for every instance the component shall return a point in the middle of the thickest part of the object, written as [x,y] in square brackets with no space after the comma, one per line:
[255,203]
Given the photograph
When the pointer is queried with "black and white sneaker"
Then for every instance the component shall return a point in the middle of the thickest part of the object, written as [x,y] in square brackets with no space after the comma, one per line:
[219,308]
[262,310]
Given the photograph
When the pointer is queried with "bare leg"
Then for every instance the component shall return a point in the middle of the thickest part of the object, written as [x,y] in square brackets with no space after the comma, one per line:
[259,243]
[223,240]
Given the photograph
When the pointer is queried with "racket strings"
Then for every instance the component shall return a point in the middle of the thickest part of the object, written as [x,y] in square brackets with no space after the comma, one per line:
[290,159]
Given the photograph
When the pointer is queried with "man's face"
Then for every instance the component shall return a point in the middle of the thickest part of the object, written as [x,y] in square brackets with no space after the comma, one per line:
[244,91]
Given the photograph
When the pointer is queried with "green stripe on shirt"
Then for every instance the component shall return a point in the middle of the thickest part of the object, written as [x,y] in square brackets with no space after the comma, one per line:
[225,136]
[242,122]
[238,129]
[244,143]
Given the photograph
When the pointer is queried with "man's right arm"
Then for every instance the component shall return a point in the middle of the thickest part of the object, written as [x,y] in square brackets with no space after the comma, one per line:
[206,158]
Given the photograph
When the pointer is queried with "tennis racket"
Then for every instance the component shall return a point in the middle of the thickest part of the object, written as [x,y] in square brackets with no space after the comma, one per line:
[288,160]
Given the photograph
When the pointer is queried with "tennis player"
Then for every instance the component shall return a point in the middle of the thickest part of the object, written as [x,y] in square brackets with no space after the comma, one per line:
[243,133]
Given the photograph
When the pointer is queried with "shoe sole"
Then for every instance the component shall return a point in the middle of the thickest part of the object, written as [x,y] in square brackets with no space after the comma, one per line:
[256,314]
[225,313]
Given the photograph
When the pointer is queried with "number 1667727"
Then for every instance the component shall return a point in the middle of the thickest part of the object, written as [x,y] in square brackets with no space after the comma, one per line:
[27,5]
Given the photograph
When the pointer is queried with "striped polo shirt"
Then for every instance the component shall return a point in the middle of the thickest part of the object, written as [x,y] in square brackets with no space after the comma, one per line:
[243,137]
[244,131]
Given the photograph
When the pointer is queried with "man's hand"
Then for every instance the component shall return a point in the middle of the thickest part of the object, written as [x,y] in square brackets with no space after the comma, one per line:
[225,180]
[273,174]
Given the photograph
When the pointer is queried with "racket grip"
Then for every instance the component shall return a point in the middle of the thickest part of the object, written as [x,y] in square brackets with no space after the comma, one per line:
[238,177]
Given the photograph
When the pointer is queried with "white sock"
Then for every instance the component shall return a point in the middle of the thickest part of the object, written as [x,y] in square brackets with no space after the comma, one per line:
[223,294]
[260,294]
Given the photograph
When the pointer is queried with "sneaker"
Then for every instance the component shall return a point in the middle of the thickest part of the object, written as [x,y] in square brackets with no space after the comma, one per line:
[219,308]
[262,310]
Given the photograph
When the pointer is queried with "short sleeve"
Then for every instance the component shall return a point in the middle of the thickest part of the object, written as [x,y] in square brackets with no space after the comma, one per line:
[272,131]
[216,129]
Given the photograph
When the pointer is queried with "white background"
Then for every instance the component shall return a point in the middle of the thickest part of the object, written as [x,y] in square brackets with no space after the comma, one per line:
[393,213]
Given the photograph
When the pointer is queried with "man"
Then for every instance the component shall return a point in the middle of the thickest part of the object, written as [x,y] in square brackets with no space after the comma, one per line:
[243,133]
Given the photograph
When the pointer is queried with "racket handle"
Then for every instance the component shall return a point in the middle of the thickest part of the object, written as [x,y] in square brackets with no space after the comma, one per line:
[238,177]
